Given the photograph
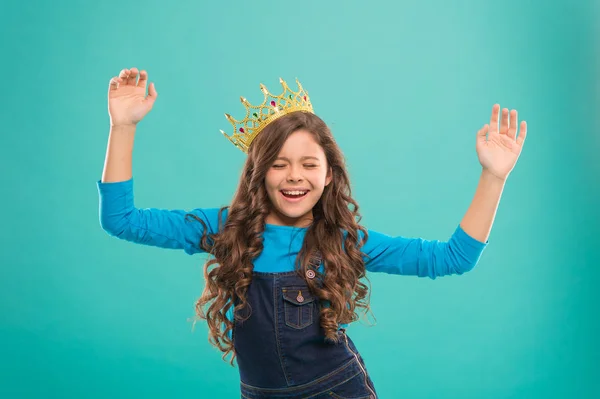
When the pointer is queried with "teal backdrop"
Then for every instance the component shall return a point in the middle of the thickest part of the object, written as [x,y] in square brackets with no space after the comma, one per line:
[404,86]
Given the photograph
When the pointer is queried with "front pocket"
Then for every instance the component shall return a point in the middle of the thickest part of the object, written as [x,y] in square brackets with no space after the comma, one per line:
[298,307]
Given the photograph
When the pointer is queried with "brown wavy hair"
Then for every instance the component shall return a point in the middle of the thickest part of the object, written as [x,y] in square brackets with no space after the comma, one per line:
[333,235]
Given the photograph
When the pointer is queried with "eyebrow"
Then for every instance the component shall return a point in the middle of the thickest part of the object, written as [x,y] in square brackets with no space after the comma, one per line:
[302,159]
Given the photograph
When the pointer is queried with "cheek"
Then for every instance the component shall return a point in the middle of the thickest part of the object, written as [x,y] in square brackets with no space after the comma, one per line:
[323,178]
[319,180]
[270,181]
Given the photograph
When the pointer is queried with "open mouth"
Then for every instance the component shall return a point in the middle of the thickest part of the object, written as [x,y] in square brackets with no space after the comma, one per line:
[294,194]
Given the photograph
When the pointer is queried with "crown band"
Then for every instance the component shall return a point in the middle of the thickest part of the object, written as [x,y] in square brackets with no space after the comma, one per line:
[273,107]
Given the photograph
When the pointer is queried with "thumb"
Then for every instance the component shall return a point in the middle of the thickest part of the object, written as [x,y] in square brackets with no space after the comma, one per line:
[483,131]
[152,93]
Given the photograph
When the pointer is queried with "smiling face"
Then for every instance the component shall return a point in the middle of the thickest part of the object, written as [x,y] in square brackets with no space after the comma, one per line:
[296,180]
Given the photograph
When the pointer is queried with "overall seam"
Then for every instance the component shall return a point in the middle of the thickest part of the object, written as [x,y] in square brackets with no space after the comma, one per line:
[336,385]
[309,384]
[276,327]
[359,361]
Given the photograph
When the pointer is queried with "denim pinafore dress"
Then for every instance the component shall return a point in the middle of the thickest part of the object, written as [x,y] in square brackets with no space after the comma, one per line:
[281,349]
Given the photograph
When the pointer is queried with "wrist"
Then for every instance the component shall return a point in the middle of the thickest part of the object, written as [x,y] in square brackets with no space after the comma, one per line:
[490,177]
[124,127]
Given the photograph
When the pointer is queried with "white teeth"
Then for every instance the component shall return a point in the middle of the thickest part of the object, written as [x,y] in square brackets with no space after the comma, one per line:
[294,192]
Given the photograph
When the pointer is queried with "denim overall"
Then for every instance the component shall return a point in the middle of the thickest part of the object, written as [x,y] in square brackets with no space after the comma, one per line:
[281,349]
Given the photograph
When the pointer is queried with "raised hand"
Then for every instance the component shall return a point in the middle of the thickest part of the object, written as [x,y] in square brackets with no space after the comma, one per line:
[127,101]
[499,152]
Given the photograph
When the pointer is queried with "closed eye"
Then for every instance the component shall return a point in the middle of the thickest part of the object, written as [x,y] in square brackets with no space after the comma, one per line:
[310,165]
[278,166]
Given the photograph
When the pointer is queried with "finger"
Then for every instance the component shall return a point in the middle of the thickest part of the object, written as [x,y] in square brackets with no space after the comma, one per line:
[494,118]
[143,79]
[483,131]
[514,122]
[114,83]
[133,72]
[504,121]
[124,74]
[522,133]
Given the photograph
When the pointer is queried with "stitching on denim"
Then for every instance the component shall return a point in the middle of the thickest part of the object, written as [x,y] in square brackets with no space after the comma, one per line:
[290,306]
[336,396]
[276,326]
[289,311]
[307,385]
[337,385]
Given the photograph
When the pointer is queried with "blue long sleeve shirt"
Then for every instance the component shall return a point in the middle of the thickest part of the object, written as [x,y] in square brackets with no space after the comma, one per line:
[281,244]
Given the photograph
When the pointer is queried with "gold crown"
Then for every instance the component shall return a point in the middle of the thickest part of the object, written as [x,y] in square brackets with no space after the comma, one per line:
[259,116]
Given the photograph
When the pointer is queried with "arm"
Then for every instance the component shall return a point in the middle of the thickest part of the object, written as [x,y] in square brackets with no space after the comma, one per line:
[420,257]
[498,149]
[479,218]
[424,258]
[119,153]
[162,228]
[118,215]
[127,105]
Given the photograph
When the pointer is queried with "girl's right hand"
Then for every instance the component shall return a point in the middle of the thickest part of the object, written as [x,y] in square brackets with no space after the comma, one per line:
[127,101]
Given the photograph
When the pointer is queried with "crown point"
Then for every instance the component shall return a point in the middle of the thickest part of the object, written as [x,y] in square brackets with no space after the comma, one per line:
[226,135]
[280,80]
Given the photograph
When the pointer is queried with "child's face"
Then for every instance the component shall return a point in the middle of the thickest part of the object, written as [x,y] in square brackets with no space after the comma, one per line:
[296,180]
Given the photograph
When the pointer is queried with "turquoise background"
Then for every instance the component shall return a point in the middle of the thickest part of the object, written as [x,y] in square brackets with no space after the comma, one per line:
[404,86]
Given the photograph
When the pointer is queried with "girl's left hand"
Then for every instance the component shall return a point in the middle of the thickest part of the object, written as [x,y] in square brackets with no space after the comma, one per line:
[499,153]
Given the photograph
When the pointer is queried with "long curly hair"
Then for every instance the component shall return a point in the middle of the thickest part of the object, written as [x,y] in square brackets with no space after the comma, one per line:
[333,236]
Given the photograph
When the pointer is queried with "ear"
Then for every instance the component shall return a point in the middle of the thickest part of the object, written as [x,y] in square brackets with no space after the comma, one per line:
[329,176]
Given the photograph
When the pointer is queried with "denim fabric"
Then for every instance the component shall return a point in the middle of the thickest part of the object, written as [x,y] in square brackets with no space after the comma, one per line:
[281,349]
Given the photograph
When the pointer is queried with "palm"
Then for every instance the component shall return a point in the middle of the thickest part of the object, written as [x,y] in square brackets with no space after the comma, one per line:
[127,101]
[499,151]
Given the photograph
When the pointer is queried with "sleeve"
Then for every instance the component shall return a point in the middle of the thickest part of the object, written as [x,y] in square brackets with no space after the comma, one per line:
[420,257]
[162,228]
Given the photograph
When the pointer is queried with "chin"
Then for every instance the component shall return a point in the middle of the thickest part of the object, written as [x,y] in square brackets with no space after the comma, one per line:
[293,214]
[292,217]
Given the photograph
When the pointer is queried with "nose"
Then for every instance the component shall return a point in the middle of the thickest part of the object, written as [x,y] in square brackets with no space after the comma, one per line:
[294,175]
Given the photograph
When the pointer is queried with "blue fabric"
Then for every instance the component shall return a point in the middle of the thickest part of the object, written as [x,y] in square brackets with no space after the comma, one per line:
[383,253]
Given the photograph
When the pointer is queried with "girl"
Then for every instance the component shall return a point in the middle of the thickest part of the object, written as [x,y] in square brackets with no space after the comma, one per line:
[288,254]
